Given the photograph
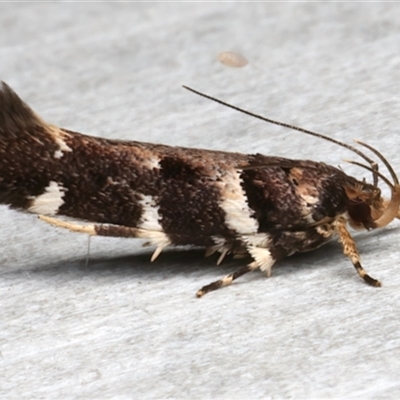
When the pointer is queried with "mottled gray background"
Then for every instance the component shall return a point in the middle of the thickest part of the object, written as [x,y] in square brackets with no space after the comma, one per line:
[124,328]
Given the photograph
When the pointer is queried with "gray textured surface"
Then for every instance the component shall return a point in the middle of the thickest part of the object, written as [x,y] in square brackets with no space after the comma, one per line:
[124,328]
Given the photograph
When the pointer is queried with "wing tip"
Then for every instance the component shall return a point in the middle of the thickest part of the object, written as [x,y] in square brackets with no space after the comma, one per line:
[16,116]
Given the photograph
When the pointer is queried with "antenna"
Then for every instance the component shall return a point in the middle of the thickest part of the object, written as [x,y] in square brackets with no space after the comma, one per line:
[374,165]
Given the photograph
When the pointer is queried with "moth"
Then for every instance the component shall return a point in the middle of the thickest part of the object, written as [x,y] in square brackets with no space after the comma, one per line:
[245,204]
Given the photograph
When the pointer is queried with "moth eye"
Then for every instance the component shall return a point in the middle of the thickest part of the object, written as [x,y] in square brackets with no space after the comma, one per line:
[295,182]
[360,212]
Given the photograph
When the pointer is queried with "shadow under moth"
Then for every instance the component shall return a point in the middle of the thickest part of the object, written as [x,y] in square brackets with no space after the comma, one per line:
[244,204]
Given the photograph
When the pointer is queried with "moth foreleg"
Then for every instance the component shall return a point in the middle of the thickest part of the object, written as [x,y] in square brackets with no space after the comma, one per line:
[350,250]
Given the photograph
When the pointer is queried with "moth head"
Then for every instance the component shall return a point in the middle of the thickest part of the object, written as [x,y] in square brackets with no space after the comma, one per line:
[366,206]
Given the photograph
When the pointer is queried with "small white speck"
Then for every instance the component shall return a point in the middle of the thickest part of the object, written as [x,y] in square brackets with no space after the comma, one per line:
[231,59]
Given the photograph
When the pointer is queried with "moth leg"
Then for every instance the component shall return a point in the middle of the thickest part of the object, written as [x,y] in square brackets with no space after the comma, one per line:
[213,249]
[73,227]
[262,259]
[226,280]
[350,250]
[220,246]
[158,239]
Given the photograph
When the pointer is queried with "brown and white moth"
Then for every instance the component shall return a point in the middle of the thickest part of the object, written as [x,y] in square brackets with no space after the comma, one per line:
[266,207]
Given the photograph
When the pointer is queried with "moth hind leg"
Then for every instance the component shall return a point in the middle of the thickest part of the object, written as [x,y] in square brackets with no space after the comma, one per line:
[72,226]
[350,250]
[93,229]
[157,238]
